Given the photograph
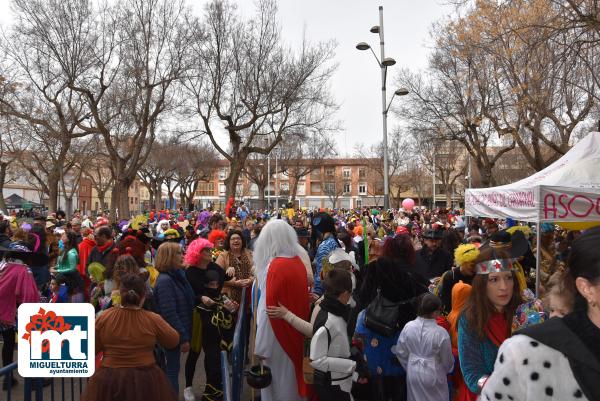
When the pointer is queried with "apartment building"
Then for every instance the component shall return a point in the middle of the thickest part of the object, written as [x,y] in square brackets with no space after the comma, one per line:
[340,183]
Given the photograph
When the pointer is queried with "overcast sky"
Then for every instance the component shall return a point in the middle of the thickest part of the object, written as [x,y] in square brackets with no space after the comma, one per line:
[357,81]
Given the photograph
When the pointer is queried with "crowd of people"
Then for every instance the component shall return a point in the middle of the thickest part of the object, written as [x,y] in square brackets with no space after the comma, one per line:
[366,304]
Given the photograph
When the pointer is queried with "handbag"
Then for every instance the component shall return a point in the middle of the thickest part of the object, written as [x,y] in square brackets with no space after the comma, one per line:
[386,317]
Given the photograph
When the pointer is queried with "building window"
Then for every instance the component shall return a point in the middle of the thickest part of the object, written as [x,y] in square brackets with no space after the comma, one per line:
[359,203]
[222,174]
[315,175]
[130,200]
[362,172]
[346,172]
[222,189]
[253,189]
[206,189]
[330,171]
[346,187]
[330,188]
[362,188]
[315,188]
[301,190]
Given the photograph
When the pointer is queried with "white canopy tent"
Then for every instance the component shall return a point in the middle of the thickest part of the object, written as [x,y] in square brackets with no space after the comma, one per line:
[566,191]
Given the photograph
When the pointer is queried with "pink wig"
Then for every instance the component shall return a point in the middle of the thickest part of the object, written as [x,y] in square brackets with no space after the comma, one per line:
[192,255]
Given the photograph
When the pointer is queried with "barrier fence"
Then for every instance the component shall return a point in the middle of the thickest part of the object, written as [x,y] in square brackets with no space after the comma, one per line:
[40,389]
[70,389]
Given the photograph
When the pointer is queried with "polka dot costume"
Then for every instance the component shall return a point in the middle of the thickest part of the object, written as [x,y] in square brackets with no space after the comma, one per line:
[529,370]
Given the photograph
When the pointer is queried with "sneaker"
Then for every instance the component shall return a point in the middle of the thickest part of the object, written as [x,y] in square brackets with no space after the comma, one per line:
[188,394]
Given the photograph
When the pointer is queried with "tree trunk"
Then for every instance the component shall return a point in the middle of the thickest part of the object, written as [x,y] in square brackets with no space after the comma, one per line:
[53,193]
[102,199]
[158,195]
[294,189]
[68,206]
[3,167]
[151,195]
[171,199]
[235,169]
[120,198]
[485,175]
[261,196]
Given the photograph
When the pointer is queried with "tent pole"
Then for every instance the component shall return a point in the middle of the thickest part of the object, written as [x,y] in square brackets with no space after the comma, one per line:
[538,255]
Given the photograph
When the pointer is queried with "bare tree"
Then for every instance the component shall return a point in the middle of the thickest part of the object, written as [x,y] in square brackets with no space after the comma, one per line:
[35,90]
[122,60]
[256,170]
[372,157]
[251,85]
[300,156]
[541,89]
[194,163]
[448,159]
[450,98]
[94,166]
[334,188]
[8,156]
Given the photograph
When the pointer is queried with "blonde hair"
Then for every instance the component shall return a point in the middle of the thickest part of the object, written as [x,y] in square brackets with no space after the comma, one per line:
[560,284]
[167,257]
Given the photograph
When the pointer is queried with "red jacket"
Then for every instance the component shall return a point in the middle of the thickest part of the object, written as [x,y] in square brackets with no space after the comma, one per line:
[85,248]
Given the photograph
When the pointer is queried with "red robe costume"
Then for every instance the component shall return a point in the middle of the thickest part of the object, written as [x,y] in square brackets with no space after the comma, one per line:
[286,284]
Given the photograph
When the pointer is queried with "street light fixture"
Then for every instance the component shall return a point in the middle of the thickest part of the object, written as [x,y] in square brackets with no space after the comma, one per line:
[388,62]
[383,64]
[363,46]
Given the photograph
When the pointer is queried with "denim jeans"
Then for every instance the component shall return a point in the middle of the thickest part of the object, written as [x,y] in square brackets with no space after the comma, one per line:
[173,357]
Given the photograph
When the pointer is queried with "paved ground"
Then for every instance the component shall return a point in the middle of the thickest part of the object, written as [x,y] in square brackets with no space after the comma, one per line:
[62,387]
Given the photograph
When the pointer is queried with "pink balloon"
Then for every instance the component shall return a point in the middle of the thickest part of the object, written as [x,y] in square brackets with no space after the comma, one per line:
[408,204]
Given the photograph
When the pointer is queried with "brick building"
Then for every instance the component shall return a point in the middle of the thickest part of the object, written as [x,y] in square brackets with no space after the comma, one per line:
[340,183]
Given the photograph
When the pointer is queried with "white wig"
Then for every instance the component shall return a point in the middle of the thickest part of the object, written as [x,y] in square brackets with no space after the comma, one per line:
[276,239]
[159,229]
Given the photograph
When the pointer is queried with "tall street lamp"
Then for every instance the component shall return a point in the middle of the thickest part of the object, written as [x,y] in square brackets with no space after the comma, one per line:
[383,65]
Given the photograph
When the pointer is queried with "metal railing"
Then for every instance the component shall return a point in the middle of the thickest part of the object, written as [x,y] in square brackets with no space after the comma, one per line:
[40,389]
[233,389]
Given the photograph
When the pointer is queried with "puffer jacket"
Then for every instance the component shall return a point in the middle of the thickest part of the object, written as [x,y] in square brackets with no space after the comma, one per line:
[174,299]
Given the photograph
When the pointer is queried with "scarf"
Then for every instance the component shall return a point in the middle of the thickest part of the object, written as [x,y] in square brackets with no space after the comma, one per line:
[496,328]
[335,307]
[103,248]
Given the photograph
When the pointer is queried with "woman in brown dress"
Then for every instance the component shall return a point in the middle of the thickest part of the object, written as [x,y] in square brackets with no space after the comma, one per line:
[126,335]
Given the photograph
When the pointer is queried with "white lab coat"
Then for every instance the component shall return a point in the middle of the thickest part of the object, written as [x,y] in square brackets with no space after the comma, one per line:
[425,352]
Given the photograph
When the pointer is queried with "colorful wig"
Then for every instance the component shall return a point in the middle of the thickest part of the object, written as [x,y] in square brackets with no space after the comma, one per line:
[192,255]
[465,253]
[525,229]
[216,235]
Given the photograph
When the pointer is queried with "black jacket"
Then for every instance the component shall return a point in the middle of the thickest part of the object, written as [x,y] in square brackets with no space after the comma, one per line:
[101,257]
[397,280]
[433,265]
[5,240]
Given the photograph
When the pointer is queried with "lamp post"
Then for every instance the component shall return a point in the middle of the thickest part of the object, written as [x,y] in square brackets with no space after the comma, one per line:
[383,65]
